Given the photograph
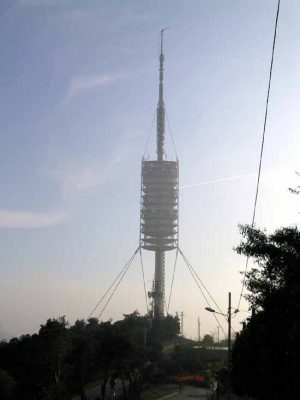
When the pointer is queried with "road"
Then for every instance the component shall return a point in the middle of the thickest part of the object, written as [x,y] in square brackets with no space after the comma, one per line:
[186,392]
[189,393]
[95,393]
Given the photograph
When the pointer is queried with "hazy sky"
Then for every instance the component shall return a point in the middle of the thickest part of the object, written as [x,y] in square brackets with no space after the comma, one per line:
[78,93]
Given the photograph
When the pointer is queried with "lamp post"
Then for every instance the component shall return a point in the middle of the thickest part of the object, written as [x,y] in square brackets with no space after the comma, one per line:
[229,333]
[228,316]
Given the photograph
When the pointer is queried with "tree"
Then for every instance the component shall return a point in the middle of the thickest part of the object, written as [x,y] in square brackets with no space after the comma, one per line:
[21,358]
[295,190]
[7,385]
[37,362]
[59,361]
[124,352]
[265,358]
[55,345]
[208,341]
[82,358]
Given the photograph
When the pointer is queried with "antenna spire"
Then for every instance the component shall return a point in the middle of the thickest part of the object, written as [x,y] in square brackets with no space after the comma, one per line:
[161,104]
[162,38]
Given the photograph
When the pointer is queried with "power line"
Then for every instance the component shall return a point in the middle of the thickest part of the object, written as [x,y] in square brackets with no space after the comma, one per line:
[262,143]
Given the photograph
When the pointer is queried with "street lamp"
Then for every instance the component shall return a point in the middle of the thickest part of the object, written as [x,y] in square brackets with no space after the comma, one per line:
[214,311]
[228,316]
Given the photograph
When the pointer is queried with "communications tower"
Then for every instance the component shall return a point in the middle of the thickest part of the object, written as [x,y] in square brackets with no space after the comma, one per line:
[159,202]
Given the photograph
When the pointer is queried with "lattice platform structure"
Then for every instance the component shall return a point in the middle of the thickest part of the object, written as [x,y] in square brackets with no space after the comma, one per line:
[159,205]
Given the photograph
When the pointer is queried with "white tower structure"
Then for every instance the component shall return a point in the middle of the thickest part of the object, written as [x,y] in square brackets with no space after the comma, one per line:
[159,202]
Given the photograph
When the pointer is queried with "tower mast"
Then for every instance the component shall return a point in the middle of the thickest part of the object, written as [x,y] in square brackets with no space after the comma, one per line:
[159,201]
[161,104]
[159,278]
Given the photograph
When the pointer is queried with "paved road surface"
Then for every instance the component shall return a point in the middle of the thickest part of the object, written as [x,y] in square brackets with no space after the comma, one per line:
[95,393]
[189,393]
[186,393]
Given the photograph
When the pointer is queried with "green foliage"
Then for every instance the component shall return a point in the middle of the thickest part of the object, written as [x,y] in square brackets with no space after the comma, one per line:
[60,361]
[7,385]
[207,341]
[295,190]
[164,329]
[196,360]
[266,354]
[55,345]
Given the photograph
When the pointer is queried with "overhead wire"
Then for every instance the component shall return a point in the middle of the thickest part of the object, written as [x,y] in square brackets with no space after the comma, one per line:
[118,284]
[171,134]
[172,283]
[262,145]
[207,302]
[205,288]
[149,135]
[201,290]
[144,282]
[111,285]
[165,305]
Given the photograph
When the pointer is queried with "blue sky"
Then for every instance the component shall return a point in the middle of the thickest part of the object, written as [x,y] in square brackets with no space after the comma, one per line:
[78,93]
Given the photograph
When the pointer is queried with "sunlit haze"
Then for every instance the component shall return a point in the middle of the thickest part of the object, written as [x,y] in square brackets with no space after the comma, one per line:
[79,89]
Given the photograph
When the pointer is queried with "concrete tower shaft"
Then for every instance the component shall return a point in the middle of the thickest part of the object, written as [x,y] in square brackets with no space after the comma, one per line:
[159,202]
[159,284]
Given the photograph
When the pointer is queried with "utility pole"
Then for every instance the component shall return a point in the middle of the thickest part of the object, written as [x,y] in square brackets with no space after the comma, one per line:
[229,344]
[181,322]
[228,317]
[218,328]
[229,331]
[199,336]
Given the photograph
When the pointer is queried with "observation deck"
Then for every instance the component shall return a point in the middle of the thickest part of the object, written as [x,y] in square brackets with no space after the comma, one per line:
[159,205]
